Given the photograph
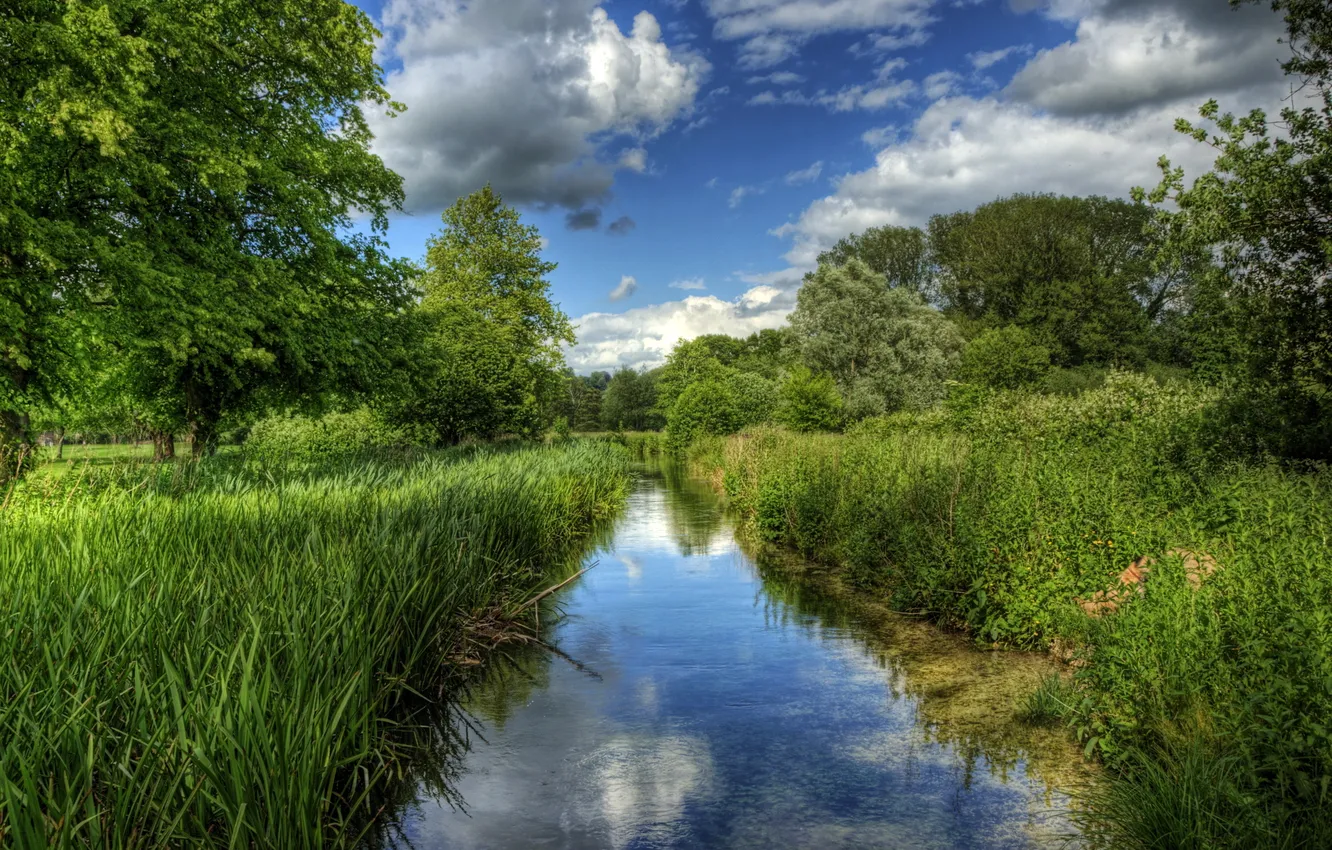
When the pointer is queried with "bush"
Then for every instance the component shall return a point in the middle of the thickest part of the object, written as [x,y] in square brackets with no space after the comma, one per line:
[288,439]
[705,408]
[1008,358]
[810,402]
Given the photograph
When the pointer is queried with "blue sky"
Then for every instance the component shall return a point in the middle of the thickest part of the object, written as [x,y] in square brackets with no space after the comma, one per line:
[718,145]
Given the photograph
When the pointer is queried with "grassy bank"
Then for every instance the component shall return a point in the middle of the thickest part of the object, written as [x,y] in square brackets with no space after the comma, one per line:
[206,654]
[1208,687]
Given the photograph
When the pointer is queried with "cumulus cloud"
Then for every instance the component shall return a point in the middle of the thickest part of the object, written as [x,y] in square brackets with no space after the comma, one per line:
[805,175]
[643,336]
[621,226]
[964,151]
[627,286]
[689,283]
[773,30]
[526,95]
[1132,54]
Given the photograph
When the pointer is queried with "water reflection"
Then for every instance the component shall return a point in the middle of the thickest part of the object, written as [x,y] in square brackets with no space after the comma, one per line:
[743,701]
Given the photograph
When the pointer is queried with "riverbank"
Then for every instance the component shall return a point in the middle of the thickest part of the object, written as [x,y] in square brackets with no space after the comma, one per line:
[1203,676]
[214,655]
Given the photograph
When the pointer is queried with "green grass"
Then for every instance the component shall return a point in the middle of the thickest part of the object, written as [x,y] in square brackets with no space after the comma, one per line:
[213,655]
[997,515]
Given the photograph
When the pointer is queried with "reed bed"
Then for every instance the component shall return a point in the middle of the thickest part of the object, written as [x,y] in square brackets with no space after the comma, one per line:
[215,655]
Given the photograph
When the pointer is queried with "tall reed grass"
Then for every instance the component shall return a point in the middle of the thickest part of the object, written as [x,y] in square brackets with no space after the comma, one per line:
[209,656]
[999,515]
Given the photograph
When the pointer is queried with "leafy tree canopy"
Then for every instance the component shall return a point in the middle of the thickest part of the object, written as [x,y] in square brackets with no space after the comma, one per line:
[885,345]
[900,254]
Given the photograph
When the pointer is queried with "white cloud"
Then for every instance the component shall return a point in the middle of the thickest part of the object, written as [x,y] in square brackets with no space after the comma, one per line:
[868,97]
[634,159]
[627,286]
[1129,54]
[773,30]
[689,283]
[940,84]
[525,95]
[889,43]
[805,175]
[963,151]
[643,336]
[764,51]
[712,183]
[987,58]
[739,193]
[777,78]
[877,137]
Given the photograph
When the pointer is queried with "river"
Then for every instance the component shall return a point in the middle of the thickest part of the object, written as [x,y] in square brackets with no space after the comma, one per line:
[712,698]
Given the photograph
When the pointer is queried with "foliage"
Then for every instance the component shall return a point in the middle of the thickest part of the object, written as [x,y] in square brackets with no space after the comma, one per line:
[282,440]
[1006,358]
[704,358]
[901,255]
[998,521]
[810,402]
[884,343]
[247,679]
[151,198]
[488,359]
[630,401]
[705,408]
[755,397]
[1076,272]
[1266,209]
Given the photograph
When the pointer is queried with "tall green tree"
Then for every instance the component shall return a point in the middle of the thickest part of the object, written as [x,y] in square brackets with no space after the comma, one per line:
[886,348]
[183,176]
[1266,209]
[1077,272]
[490,359]
[705,358]
[630,401]
[900,254]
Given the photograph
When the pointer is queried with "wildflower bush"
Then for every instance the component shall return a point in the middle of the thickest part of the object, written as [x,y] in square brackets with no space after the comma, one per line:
[1000,512]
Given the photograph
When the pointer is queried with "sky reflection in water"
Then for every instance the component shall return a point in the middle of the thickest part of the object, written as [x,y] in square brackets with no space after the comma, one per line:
[731,712]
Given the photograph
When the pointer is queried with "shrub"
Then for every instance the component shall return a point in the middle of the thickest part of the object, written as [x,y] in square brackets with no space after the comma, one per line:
[704,408]
[1007,358]
[810,402]
[288,439]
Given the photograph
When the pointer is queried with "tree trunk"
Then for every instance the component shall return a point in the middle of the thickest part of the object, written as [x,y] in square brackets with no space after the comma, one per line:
[164,445]
[15,444]
[203,439]
[60,443]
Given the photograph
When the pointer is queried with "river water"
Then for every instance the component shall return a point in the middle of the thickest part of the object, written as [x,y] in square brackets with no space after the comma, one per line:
[714,698]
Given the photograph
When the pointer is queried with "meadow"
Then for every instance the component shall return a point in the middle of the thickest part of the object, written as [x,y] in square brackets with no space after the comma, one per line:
[232,653]
[1203,678]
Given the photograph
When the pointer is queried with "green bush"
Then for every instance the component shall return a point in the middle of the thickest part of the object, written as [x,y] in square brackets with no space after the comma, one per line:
[1007,358]
[291,439]
[810,402]
[704,408]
